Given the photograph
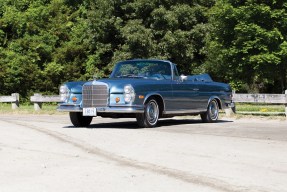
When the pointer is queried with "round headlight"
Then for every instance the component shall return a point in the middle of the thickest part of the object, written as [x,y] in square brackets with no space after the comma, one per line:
[64,89]
[127,89]
[64,93]
[128,98]
[129,94]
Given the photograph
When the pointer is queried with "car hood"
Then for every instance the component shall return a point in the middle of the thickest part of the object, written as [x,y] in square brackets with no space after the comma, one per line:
[76,86]
[116,85]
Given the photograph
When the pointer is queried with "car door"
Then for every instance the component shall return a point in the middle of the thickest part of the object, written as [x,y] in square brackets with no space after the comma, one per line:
[184,94]
[203,95]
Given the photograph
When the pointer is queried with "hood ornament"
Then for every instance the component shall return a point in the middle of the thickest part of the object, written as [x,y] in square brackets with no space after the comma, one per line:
[94,79]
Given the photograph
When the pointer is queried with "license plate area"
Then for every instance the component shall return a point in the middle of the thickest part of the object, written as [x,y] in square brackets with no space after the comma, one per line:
[92,111]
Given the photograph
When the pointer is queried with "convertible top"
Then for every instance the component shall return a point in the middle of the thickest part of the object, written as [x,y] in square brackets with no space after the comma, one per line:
[202,77]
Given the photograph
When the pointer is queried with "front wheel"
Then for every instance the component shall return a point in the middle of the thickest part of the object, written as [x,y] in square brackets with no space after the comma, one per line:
[78,120]
[150,116]
[212,113]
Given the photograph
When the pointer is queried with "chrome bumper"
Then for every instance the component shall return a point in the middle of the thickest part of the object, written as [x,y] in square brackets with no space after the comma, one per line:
[77,108]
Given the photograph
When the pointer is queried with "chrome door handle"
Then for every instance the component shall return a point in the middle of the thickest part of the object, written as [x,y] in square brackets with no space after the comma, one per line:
[195,89]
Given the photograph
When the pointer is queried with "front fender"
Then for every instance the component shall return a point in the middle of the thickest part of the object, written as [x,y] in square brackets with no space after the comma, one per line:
[75,87]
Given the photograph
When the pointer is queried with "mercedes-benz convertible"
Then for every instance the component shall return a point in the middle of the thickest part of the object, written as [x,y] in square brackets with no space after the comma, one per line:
[146,90]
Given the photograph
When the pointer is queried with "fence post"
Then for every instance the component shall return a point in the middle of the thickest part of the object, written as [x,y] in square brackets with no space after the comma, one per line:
[37,105]
[15,105]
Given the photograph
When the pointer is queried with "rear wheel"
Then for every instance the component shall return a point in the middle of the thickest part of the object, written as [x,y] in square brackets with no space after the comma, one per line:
[150,116]
[212,113]
[78,120]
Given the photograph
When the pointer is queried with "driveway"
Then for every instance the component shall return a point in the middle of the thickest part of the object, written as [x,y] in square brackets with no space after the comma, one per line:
[46,153]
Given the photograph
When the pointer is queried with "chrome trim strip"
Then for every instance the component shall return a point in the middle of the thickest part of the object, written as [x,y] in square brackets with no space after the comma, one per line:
[120,110]
[77,108]
[182,112]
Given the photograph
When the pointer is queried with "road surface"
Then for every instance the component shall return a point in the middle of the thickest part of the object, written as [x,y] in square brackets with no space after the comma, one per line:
[45,153]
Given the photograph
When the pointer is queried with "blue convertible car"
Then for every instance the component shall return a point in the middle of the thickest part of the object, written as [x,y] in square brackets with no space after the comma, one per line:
[147,90]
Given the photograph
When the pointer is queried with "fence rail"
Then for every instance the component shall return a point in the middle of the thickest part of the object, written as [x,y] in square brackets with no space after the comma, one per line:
[38,99]
[13,99]
[261,98]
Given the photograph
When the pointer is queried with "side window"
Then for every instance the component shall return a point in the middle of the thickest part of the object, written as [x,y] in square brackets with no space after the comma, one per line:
[175,73]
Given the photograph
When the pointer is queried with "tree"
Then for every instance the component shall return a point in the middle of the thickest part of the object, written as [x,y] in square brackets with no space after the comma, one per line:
[247,45]
[172,30]
[42,44]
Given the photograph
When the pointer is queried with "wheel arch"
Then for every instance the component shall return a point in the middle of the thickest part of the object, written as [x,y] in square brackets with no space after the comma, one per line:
[159,99]
[217,99]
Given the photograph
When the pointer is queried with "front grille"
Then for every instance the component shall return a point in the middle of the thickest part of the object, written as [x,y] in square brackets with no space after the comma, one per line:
[95,95]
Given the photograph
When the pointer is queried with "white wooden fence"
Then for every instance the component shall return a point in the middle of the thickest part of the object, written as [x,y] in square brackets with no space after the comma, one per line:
[262,98]
[38,99]
[13,99]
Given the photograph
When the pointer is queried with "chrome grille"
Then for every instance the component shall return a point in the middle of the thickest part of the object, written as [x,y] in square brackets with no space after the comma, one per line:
[95,95]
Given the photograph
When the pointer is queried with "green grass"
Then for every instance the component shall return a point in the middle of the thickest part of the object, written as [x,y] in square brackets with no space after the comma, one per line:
[259,108]
[47,108]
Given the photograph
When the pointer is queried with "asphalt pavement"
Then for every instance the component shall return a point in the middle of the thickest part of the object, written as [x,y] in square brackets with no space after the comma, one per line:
[46,153]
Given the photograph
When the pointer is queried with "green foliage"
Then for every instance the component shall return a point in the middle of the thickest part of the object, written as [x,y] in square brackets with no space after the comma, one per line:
[247,44]
[44,43]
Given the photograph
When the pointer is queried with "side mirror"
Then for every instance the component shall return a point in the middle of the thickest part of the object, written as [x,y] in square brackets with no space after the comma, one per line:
[183,78]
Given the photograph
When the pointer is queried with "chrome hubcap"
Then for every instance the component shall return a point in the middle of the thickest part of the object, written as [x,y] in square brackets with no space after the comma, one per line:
[152,112]
[213,110]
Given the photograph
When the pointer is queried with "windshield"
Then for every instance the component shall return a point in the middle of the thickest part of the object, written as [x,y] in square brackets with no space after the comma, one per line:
[142,69]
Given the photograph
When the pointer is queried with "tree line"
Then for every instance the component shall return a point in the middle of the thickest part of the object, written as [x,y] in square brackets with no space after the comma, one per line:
[44,43]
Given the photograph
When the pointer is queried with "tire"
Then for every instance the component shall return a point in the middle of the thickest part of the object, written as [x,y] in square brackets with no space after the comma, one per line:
[212,113]
[150,116]
[78,120]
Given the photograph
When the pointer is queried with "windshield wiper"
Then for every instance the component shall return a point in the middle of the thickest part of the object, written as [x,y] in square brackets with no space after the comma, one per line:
[129,76]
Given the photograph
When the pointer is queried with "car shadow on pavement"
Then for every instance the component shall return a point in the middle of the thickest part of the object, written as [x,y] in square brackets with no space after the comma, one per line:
[111,125]
[133,125]
[174,122]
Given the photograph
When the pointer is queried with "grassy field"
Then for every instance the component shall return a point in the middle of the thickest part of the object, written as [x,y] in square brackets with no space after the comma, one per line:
[48,108]
[259,108]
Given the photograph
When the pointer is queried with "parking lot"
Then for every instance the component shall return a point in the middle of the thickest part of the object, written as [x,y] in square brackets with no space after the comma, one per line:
[46,153]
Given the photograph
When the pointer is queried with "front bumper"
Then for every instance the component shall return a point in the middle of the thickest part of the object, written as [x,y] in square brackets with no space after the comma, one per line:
[113,109]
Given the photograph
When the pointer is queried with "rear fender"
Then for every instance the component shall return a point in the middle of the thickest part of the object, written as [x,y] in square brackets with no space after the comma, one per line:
[217,99]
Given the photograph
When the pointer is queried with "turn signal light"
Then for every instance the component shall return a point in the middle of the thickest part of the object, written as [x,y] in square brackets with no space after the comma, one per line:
[74,99]
[118,99]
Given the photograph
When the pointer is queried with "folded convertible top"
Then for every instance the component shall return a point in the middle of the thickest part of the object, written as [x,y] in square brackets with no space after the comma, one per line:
[202,77]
